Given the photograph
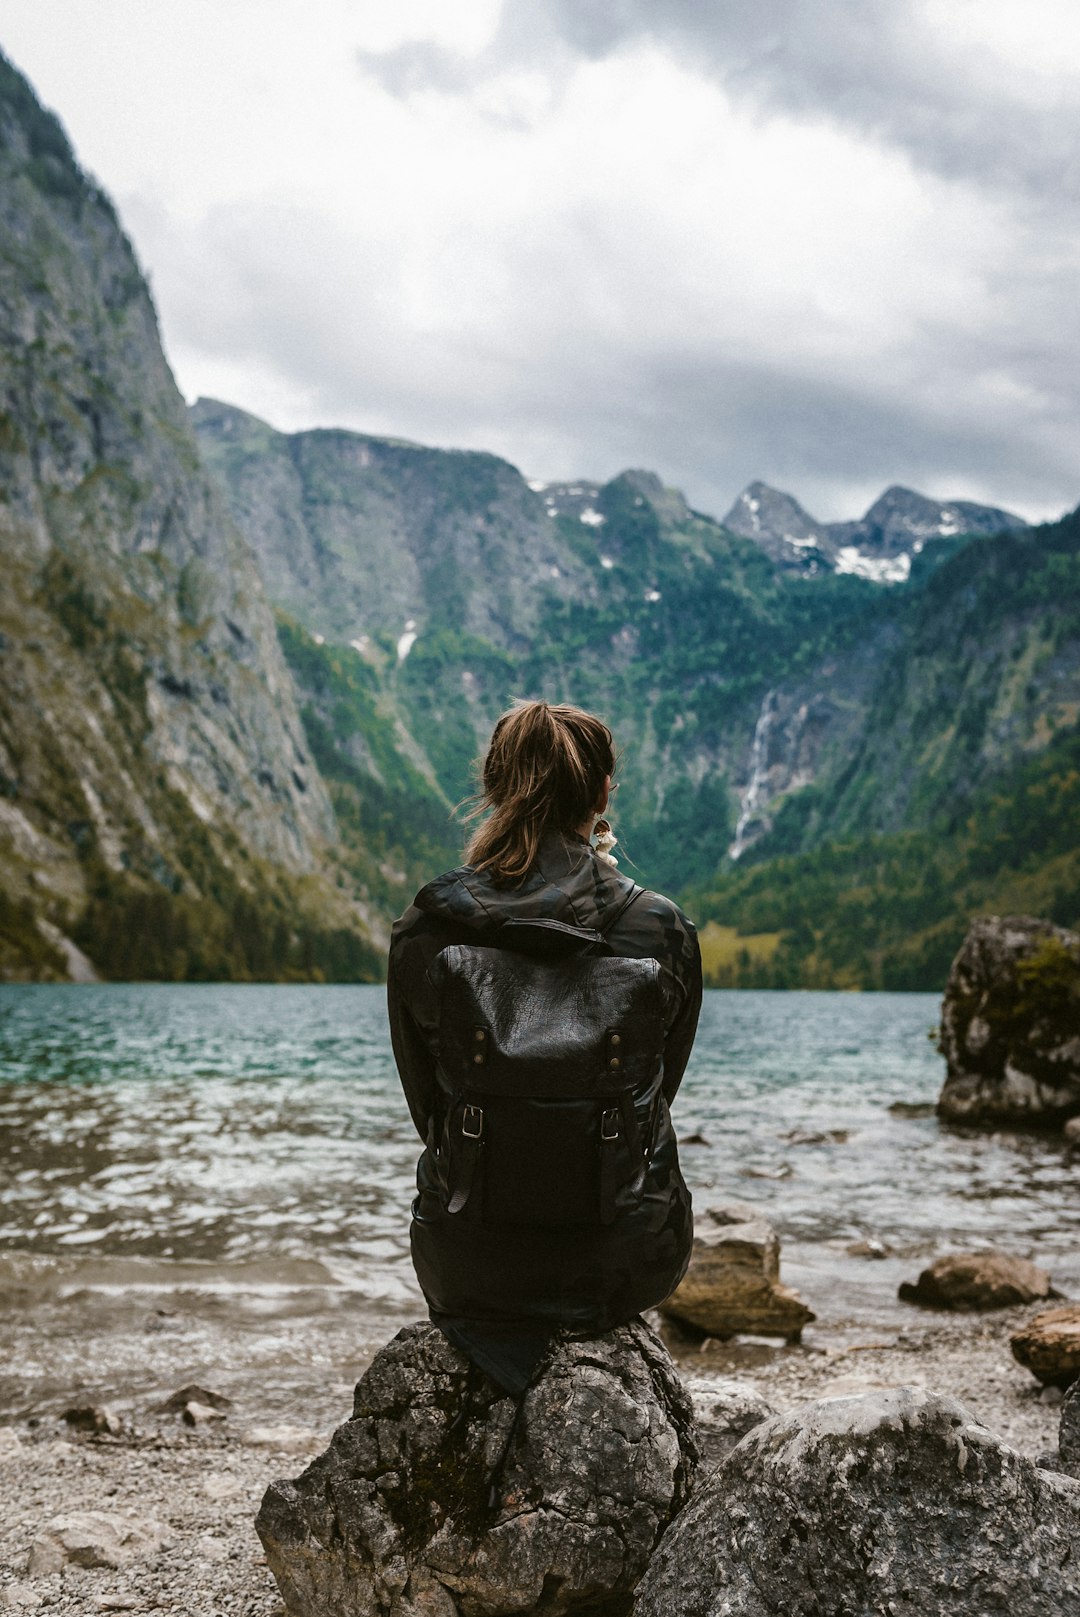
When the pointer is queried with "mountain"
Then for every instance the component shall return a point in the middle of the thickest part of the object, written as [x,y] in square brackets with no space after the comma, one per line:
[654,613]
[767,715]
[880,546]
[246,674]
[158,793]
[960,792]
[356,533]
[786,532]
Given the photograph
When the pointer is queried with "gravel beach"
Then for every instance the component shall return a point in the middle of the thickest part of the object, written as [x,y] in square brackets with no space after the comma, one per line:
[199,1488]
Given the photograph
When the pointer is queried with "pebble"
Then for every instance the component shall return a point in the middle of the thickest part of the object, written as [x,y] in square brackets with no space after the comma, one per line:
[871,1248]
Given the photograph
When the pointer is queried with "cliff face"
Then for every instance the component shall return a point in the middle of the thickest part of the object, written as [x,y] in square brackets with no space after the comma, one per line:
[442,585]
[764,714]
[357,534]
[149,734]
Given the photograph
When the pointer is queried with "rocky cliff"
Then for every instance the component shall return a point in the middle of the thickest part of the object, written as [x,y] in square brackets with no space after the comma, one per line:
[880,545]
[619,596]
[151,751]
[357,534]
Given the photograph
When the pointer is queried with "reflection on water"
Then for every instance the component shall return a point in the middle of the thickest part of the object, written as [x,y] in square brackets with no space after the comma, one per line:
[252,1141]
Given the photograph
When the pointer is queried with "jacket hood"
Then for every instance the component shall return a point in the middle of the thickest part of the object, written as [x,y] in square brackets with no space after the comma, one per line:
[570,884]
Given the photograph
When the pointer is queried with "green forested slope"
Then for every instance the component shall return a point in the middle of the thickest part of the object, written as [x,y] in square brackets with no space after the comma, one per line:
[890,911]
[962,796]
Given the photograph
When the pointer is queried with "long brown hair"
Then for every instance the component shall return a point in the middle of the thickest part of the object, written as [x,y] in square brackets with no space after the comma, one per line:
[545,770]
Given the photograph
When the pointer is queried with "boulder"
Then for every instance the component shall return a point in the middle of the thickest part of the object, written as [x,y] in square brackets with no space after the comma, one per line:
[1049,1345]
[1010,1024]
[898,1502]
[725,1410]
[1072,1133]
[976,1280]
[92,1538]
[1069,1431]
[1066,1457]
[733,1282]
[445,1497]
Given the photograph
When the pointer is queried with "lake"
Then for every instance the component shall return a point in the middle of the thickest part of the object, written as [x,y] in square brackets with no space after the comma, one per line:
[244,1152]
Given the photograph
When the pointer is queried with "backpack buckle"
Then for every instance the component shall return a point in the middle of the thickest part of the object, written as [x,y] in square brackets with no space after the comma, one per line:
[472,1122]
[609,1124]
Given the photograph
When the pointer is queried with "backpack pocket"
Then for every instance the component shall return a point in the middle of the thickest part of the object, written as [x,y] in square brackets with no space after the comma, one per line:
[542,1162]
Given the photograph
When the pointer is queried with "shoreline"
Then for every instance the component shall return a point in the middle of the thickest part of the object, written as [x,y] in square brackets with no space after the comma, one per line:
[203,1485]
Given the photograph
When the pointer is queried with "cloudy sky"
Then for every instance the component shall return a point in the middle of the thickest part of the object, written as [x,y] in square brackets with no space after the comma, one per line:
[832,245]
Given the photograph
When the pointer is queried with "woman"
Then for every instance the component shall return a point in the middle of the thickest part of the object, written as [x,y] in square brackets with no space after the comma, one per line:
[533,881]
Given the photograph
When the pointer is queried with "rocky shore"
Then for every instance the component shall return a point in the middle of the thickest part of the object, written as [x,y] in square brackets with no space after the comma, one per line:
[197,1488]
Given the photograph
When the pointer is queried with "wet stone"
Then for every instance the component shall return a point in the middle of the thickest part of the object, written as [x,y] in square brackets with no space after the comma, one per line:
[733,1282]
[978,1280]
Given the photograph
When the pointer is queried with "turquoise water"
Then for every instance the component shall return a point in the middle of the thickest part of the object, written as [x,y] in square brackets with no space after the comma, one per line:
[258,1133]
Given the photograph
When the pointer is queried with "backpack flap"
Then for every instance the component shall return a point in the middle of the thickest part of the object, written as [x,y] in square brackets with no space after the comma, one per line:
[544,1059]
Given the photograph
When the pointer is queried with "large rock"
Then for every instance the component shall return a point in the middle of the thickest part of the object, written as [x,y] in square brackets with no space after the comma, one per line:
[1069,1431]
[733,1282]
[414,1509]
[898,1502]
[978,1280]
[1049,1345]
[90,1538]
[1010,1024]
[725,1410]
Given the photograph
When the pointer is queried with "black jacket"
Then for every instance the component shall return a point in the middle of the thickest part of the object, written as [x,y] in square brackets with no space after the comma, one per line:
[606,1275]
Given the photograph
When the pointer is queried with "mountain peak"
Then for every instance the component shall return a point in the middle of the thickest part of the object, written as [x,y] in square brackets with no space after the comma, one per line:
[878,546]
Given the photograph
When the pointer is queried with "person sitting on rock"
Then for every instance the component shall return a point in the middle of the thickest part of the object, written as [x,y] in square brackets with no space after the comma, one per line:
[542,1010]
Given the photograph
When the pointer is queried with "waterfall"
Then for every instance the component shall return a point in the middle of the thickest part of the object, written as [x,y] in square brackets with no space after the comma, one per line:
[756,792]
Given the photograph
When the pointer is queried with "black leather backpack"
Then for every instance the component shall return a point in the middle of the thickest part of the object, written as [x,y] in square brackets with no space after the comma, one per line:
[549,1065]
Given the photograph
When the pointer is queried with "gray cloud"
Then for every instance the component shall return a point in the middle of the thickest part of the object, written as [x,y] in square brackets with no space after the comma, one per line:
[871,65]
[565,405]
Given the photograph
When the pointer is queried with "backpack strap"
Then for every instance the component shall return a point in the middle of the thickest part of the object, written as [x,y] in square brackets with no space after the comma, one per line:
[631,898]
[618,1123]
[465,1155]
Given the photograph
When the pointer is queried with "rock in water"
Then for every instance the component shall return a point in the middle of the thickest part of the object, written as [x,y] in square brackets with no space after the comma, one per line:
[1049,1345]
[978,1280]
[431,1501]
[1009,1024]
[898,1502]
[733,1282]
